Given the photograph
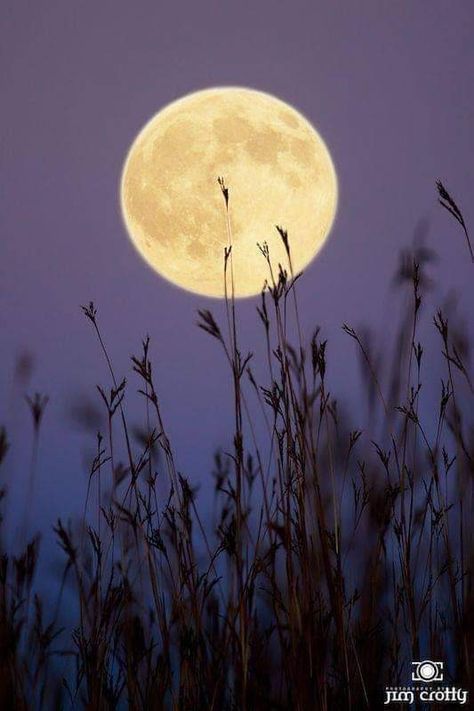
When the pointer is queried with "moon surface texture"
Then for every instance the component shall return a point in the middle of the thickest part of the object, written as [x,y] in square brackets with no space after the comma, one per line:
[278,171]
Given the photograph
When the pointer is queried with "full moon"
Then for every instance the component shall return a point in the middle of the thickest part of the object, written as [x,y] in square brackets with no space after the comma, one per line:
[275,165]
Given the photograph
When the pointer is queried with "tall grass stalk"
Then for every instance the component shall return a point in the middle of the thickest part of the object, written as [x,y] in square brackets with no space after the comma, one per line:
[341,549]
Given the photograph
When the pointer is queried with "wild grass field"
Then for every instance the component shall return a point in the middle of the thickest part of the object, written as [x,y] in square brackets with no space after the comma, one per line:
[342,547]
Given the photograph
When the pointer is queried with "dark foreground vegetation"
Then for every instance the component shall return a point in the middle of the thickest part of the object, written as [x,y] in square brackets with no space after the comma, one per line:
[341,551]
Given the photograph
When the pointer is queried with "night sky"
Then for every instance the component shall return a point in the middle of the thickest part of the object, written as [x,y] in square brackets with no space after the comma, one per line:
[387,84]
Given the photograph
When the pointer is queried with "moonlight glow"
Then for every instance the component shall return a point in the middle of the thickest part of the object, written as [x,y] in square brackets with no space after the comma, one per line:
[276,166]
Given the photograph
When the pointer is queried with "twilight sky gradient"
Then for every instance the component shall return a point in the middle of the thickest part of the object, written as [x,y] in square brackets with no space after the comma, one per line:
[387,84]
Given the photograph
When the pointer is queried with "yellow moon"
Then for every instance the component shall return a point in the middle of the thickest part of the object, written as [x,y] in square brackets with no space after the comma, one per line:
[278,171]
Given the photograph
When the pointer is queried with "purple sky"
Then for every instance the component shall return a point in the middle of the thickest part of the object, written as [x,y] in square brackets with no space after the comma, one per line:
[388,85]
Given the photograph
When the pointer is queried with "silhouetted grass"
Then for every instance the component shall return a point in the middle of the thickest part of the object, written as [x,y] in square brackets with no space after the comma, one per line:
[341,551]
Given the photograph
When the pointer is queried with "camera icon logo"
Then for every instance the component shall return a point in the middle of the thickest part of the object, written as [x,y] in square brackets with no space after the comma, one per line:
[427,671]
